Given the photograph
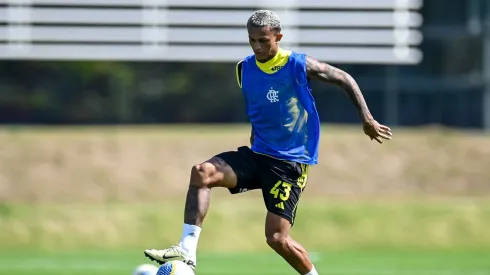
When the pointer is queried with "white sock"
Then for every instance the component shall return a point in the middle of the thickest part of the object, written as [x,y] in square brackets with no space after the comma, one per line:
[190,237]
[312,272]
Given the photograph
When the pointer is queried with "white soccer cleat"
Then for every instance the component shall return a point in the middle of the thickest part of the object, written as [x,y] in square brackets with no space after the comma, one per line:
[173,253]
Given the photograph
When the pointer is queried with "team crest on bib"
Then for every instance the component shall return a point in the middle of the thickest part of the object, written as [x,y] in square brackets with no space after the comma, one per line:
[273,95]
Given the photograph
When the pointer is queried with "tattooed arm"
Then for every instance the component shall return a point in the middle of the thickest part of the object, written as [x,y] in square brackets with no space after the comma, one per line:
[332,75]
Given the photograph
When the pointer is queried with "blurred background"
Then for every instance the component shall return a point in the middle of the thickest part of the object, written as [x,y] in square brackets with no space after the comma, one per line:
[106,105]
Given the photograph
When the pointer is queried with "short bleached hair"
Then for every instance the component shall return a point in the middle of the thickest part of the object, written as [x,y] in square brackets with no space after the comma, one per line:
[265,18]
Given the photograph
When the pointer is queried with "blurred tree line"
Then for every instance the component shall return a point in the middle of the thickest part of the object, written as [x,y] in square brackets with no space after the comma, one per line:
[112,92]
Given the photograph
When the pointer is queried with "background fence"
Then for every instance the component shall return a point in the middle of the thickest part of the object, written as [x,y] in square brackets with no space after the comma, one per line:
[185,30]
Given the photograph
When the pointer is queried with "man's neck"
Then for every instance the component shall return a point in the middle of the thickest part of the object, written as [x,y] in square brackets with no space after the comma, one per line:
[275,55]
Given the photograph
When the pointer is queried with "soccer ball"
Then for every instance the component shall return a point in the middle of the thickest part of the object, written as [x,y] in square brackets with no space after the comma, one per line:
[175,268]
[146,269]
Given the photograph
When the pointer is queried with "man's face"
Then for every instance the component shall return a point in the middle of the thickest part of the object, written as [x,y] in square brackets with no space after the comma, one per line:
[264,42]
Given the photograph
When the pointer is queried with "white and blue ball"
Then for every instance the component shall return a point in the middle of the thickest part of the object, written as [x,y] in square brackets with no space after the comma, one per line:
[175,268]
[146,269]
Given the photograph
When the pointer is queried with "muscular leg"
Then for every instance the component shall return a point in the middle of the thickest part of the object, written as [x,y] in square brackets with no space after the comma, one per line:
[212,173]
[277,235]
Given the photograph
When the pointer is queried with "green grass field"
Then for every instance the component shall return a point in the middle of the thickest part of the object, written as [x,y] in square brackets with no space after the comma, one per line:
[236,224]
[447,237]
[334,263]
[89,200]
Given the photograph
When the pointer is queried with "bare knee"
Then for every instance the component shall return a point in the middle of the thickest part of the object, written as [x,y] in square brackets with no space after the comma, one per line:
[203,175]
[277,240]
[277,232]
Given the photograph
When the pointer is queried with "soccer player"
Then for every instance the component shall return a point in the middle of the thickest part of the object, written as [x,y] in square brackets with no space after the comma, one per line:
[284,143]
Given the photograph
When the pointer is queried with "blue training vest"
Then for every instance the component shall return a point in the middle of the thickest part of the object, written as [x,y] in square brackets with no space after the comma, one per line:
[282,110]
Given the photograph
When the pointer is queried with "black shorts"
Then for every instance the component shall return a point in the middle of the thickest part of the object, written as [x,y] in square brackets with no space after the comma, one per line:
[282,182]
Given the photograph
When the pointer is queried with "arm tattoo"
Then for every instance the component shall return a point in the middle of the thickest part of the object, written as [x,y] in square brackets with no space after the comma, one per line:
[332,75]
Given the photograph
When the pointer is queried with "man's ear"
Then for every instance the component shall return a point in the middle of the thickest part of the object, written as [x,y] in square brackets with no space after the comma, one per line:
[278,37]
